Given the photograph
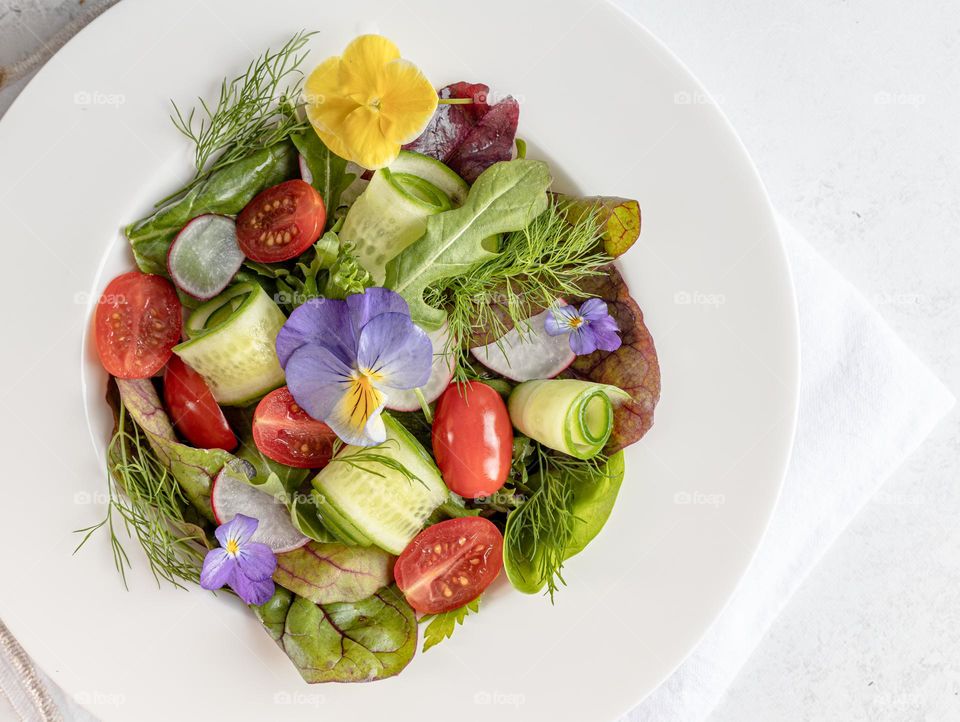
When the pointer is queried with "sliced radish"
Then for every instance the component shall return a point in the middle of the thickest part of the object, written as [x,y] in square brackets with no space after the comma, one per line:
[305,173]
[204,257]
[440,375]
[527,355]
[232,494]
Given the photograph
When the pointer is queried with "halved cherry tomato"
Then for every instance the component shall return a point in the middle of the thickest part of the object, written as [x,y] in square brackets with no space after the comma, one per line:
[137,323]
[193,409]
[281,222]
[284,432]
[472,439]
[449,564]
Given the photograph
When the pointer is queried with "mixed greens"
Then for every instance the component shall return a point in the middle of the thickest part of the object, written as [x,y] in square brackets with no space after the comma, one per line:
[369,360]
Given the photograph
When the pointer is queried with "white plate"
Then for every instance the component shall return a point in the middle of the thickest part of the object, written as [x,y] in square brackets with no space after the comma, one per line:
[87,147]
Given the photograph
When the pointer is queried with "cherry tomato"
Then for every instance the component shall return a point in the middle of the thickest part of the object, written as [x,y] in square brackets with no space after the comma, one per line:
[286,433]
[193,409]
[472,439]
[281,222]
[136,324]
[449,564]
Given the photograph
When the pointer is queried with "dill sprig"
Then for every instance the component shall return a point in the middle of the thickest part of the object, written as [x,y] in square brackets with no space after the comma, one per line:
[150,506]
[541,530]
[369,459]
[255,110]
[545,261]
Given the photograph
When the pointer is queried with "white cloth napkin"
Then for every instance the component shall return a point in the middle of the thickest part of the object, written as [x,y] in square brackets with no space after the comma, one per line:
[866,402]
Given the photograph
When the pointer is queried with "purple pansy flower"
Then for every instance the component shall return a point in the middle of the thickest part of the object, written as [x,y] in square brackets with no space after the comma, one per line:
[342,358]
[246,566]
[591,327]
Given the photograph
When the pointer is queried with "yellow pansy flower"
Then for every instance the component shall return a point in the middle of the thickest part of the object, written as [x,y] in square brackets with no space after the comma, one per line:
[369,101]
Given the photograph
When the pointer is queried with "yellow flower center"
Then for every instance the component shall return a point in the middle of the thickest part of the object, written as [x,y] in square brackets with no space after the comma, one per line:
[363,396]
[576,322]
[232,546]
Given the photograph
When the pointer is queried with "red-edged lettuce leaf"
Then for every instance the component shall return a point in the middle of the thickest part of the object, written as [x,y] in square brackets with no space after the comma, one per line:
[326,573]
[633,367]
[470,138]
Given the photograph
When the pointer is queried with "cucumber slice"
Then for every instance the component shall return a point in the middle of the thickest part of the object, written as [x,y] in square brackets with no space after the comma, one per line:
[235,350]
[368,500]
[569,415]
[392,212]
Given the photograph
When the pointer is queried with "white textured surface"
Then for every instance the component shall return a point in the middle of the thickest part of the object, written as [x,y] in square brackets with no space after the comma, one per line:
[850,110]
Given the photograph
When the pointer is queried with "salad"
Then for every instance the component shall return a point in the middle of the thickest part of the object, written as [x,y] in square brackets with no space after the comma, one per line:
[368,361]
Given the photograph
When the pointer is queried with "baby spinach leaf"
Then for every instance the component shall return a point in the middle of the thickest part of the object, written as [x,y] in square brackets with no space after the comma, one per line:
[343,641]
[633,367]
[227,191]
[194,469]
[506,197]
[328,170]
[325,573]
[441,626]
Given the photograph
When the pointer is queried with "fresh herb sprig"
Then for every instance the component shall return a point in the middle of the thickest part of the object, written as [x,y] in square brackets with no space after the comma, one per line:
[150,506]
[254,110]
[369,459]
[541,530]
[441,626]
[545,261]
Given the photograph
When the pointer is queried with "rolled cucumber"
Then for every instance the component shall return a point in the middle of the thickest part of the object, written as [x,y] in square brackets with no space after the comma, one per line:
[392,212]
[364,498]
[232,344]
[568,415]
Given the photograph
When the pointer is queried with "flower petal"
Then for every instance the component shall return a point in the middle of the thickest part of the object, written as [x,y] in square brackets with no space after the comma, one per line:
[321,321]
[256,561]
[356,417]
[361,69]
[252,591]
[558,320]
[408,101]
[583,341]
[317,379]
[373,302]
[239,530]
[218,569]
[369,147]
[593,309]
[605,338]
[396,351]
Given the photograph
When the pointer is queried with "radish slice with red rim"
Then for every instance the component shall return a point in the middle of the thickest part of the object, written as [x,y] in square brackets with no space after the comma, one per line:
[233,494]
[527,352]
[205,256]
[441,373]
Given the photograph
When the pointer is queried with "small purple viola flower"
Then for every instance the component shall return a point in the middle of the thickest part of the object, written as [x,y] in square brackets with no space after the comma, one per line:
[342,358]
[591,327]
[245,566]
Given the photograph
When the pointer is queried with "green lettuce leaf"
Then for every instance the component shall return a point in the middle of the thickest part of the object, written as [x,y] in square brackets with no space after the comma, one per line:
[344,641]
[226,191]
[325,573]
[194,469]
[506,197]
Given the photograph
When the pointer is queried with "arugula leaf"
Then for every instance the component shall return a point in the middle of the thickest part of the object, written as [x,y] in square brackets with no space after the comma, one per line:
[326,573]
[328,170]
[441,626]
[506,197]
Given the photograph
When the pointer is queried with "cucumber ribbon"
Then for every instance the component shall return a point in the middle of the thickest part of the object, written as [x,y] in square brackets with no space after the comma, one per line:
[232,344]
[568,415]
